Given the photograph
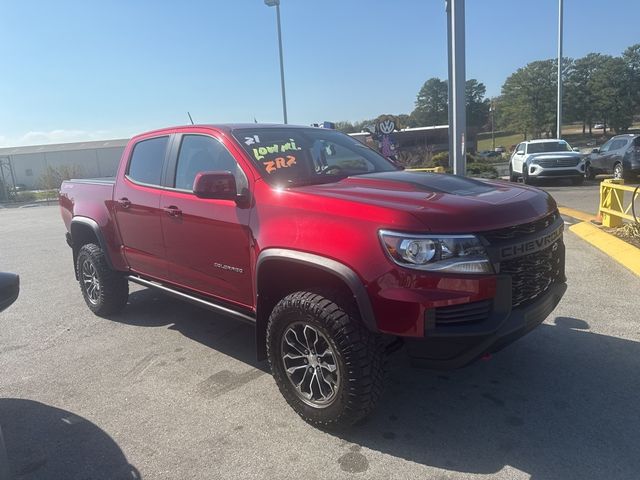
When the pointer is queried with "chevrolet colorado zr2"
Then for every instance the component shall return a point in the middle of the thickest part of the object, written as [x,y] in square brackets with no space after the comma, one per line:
[336,255]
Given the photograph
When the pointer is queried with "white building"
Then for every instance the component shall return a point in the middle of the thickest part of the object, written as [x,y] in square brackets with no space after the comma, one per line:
[93,159]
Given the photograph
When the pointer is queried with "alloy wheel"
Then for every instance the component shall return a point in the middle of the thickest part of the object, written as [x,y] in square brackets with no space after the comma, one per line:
[617,171]
[310,364]
[91,282]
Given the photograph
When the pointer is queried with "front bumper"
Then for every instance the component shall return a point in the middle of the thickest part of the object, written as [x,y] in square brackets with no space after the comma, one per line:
[455,350]
[538,171]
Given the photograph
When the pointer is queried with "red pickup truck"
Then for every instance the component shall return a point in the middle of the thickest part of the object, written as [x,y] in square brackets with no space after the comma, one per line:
[336,255]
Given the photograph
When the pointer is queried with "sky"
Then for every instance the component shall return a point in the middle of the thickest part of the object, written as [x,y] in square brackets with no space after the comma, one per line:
[89,70]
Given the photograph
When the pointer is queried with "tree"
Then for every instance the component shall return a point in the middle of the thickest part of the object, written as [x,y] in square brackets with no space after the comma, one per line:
[631,57]
[52,178]
[477,106]
[528,99]
[431,104]
[345,127]
[612,93]
[579,90]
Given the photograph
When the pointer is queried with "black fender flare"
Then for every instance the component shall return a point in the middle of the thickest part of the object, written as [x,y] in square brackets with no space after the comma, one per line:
[93,225]
[341,271]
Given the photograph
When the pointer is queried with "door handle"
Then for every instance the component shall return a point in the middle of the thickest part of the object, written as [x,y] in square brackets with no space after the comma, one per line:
[172,211]
[124,202]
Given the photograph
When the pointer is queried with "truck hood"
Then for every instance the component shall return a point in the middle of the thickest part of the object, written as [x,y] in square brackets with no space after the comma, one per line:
[442,203]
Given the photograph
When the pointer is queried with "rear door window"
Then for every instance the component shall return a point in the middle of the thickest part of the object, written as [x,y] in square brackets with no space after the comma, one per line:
[618,144]
[147,160]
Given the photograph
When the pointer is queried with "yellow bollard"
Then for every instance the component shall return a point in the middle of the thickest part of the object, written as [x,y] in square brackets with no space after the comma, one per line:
[611,200]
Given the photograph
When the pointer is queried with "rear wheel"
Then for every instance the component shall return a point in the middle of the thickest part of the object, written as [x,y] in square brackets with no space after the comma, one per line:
[618,171]
[105,291]
[327,365]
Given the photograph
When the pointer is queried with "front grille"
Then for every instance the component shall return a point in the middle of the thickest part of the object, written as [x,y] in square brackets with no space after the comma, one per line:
[533,274]
[517,231]
[464,313]
[558,162]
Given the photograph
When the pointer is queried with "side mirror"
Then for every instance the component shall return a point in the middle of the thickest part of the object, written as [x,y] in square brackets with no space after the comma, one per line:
[576,149]
[216,185]
[9,289]
[520,152]
[595,150]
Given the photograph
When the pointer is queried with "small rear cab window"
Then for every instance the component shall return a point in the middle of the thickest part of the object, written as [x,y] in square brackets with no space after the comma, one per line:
[147,160]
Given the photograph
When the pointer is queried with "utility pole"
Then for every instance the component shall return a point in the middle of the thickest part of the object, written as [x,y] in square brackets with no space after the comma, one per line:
[276,3]
[559,115]
[457,83]
[492,111]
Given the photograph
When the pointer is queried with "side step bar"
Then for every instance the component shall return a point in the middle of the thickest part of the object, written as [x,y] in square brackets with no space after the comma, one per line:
[191,299]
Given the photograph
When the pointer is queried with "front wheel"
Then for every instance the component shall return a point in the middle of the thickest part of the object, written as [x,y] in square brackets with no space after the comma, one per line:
[589,173]
[512,176]
[327,365]
[105,291]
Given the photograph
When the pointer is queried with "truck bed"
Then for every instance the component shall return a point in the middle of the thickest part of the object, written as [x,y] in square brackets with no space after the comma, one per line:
[86,197]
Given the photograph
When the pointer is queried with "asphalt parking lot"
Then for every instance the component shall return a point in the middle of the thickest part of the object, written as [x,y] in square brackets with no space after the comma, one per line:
[585,198]
[168,391]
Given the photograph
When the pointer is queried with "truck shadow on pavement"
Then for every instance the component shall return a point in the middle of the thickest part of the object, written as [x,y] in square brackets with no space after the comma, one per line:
[560,403]
[234,338]
[49,443]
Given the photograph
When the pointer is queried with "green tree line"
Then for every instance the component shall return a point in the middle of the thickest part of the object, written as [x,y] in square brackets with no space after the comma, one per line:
[597,89]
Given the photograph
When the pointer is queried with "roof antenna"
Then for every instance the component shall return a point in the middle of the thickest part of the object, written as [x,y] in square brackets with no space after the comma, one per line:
[190,118]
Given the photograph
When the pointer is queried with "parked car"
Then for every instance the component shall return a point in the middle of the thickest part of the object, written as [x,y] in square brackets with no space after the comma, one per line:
[9,289]
[333,253]
[619,156]
[539,159]
[499,149]
[490,155]
[599,126]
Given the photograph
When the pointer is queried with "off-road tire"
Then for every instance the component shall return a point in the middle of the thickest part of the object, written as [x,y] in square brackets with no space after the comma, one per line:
[359,356]
[113,288]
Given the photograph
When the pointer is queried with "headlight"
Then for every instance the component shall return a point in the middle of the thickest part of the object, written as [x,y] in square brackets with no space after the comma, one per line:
[445,253]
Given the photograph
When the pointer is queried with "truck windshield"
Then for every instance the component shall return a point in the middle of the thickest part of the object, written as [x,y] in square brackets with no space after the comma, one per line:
[303,156]
[543,147]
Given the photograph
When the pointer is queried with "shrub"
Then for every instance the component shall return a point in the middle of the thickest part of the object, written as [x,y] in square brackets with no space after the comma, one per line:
[481,170]
[25,196]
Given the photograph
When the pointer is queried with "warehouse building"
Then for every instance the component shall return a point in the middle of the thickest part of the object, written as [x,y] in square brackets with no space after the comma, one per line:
[24,166]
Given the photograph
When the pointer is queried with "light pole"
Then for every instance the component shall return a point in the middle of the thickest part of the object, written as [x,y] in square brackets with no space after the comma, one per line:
[276,3]
[492,111]
[559,116]
[457,80]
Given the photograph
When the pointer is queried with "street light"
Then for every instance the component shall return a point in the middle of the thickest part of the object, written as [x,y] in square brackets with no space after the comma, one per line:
[559,114]
[276,3]
[492,111]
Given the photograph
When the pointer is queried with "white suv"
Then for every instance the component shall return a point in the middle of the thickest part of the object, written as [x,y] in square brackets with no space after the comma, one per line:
[546,159]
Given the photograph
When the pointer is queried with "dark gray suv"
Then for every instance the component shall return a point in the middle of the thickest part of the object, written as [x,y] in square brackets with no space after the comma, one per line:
[619,156]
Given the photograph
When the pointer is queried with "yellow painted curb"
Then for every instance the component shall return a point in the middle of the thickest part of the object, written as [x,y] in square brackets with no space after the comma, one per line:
[622,252]
[570,212]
